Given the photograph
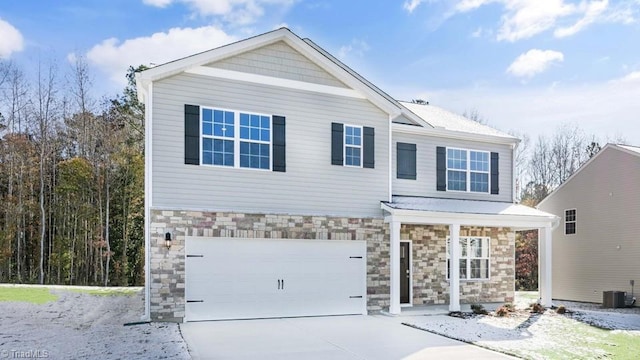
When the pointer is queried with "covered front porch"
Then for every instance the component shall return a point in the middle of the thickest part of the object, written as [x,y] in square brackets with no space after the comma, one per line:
[448,252]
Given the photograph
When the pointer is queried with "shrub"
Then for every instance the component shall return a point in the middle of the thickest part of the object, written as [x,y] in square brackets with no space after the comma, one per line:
[561,309]
[502,311]
[478,309]
[537,308]
[510,307]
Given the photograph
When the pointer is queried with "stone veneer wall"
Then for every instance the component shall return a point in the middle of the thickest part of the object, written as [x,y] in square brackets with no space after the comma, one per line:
[430,284]
[168,268]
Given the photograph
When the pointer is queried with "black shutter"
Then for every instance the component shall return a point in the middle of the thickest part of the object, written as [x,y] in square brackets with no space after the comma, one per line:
[279,144]
[495,173]
[337,137]
[406,161]
[441,168]
[368,148]
[192,134]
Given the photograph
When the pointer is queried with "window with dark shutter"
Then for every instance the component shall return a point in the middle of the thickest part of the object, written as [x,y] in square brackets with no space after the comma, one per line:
[495,174]
[406,161]
[441,168]
[337,135]
[279,144]
[192,134]
[369,150]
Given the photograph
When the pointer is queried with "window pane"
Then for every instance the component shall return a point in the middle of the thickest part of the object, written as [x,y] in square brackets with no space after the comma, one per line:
[244,119]
[479,182]
[223,152]
[463,268]
[207,128]
[570,228]
[255,134]
[207,144]
[207,157]
[207,115]
[457,180]
[255,121]
[457,159]
[479,161]
[244,132]
[264,122]
[254,155]
[352,156]
[479,269]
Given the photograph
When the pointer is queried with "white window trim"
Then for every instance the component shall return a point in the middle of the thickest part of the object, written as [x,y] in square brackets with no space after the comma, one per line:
[468,170]
[468,258]
[575,221]
[236,138]
[344,145]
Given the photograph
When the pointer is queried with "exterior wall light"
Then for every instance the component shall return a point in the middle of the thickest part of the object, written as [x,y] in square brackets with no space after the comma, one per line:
[167,240]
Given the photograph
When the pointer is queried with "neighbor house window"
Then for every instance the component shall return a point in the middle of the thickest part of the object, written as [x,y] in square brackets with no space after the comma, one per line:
[353,145]
[474,258]
[570,221]
[467,170]
[236,139]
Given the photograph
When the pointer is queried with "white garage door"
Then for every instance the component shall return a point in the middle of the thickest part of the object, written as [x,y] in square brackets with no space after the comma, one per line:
[264,278]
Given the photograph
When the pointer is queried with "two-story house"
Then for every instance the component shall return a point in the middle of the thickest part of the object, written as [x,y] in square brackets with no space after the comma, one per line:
[279,182]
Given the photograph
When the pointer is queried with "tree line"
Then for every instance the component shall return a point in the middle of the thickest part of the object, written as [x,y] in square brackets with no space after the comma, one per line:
[71,179]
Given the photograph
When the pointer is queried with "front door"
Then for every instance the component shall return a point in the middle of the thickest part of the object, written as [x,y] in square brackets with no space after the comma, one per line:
[405,272]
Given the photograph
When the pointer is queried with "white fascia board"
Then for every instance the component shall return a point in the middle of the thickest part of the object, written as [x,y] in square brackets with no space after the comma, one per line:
[180,65]
[273,81]
[440,132]
[489,220]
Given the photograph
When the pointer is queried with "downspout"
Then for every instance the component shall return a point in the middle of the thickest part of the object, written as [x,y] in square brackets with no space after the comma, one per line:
[514,195]
[147,202]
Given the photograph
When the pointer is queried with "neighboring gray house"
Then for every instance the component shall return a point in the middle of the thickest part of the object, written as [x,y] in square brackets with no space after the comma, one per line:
[597,248]
[288,185]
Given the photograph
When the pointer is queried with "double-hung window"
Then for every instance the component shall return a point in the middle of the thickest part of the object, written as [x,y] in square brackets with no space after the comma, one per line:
[474,258]
[570,222]
[467,170]
[236,139]
[353,145]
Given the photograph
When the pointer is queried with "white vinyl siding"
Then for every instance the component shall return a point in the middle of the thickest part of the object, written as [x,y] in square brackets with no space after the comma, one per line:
[425,185]
[279,60]
[603,254]
[310,186]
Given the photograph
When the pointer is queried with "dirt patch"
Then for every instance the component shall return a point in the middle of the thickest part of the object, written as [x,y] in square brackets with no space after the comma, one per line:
[83,326]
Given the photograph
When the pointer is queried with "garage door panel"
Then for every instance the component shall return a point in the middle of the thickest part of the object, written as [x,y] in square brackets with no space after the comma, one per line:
[258,278]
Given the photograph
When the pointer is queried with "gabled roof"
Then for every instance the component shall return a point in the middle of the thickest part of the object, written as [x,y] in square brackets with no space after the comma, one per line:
[631,150]
[441,118]
[305,47]
[436,121]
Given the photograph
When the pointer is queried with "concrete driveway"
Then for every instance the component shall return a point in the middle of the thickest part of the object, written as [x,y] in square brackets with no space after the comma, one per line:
[334,337]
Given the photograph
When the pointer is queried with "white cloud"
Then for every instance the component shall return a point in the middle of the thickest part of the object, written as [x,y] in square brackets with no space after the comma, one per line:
[522,19]
[606,109]
[114,57]
[411,5]
[238,12]
[534,62]
[632,77]
[11,39]
[356,47]
[592,12]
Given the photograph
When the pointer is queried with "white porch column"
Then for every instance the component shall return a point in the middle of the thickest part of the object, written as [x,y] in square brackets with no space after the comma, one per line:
[544,265]
[394,264]
[454,274]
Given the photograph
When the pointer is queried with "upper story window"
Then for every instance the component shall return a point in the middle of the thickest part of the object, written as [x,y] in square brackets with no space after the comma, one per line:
[570,221]
[353,145]
[236,139]
[467,170]
[474,258]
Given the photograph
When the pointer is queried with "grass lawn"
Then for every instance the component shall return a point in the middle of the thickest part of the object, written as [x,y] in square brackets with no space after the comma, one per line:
[35,295]
[102,291]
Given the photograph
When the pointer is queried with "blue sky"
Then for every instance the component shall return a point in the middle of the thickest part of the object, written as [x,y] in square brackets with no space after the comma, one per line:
[525,65]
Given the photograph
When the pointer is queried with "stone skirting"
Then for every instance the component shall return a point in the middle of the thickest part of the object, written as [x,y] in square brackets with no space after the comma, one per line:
[168,267]
[430,284]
